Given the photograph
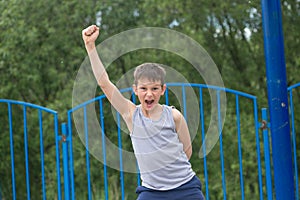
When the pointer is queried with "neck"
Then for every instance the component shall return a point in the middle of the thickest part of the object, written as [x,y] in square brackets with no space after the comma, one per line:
[154,113]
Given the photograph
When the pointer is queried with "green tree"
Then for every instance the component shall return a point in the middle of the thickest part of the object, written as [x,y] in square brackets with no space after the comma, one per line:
[41,50]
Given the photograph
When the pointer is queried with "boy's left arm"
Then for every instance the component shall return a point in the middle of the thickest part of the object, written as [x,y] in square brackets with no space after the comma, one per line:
[183,132]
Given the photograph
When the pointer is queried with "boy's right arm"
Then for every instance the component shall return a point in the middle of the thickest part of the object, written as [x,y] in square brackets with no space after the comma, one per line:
[124,106]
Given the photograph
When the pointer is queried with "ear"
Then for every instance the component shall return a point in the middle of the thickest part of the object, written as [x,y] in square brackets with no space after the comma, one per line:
[134,88]
[164,87]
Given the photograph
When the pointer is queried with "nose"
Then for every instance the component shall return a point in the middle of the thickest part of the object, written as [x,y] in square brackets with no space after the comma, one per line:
[149,93]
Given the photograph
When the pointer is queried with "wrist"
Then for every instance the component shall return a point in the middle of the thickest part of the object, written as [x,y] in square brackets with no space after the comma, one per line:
[90,46]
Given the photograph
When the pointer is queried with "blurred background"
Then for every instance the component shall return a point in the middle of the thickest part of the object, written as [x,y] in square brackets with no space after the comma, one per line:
[41,50]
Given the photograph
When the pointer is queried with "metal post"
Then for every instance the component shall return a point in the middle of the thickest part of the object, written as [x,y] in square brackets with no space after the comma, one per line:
[277,99]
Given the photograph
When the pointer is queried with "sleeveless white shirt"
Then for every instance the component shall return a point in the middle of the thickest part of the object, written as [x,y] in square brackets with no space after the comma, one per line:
[162,162]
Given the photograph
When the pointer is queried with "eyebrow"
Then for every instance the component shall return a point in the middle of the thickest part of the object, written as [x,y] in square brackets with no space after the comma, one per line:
[143,85]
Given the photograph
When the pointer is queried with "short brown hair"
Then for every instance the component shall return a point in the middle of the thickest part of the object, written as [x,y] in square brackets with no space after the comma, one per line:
[151,71]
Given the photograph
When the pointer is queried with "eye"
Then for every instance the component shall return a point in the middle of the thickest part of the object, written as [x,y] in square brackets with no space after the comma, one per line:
[155,88]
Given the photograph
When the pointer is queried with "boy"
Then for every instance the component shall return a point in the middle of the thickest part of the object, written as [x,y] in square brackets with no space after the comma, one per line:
[159,133]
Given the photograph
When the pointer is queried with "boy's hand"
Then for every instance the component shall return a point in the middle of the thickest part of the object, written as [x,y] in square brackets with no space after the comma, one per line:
[90,34]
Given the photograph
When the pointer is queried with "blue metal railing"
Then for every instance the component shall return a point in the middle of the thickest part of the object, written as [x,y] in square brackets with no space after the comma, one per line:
[265,190]
[200,87]
[24,107]
[293,130]
[265,125]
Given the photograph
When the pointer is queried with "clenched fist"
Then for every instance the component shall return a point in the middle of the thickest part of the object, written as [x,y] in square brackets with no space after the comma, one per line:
[89,35]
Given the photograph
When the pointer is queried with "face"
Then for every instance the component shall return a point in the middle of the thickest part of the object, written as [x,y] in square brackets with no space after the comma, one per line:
[149,93]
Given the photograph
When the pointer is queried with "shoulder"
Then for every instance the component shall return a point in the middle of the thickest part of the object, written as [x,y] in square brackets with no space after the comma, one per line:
[176,114]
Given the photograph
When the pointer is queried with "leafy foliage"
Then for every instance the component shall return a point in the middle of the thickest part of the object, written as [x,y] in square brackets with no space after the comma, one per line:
[41,50]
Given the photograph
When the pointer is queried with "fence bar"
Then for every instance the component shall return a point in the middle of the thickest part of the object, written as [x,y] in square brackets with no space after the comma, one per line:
[238,125]
[277,100]
[12,155]
[65,161]
[87,157]
[184,102]
[103,148]
[42,153]
[167,96]
[71,175]
[203,142]
[267,154]
[294,143]
[57,138]
[256,124]
[221,145]
[26,152]
[121,156]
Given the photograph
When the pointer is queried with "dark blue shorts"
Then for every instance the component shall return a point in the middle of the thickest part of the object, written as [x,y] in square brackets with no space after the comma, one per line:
[188,191]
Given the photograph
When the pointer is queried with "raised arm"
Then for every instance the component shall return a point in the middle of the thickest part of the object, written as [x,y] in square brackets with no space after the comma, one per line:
[119,102]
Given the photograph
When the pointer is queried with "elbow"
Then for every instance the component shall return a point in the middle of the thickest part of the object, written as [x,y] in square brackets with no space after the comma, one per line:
[103,81]
[189,152]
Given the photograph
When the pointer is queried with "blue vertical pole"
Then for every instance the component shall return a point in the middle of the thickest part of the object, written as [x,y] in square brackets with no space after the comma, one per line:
[65,160]
[277,99]
[264,117]
[12,154]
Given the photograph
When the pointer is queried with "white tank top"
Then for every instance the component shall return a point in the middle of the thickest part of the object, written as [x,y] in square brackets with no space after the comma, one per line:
[162,162]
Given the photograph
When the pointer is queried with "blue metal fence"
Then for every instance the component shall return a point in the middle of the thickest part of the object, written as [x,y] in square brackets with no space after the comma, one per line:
[239,170]
[293,122]
[207,162]
[26,122]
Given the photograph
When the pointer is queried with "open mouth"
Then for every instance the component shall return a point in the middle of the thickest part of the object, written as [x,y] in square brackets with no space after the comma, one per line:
[149,102]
